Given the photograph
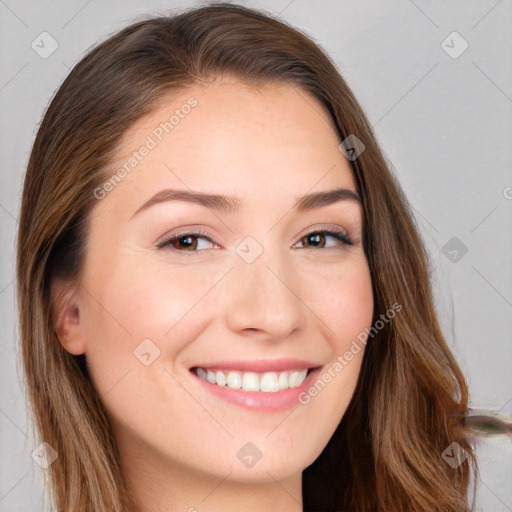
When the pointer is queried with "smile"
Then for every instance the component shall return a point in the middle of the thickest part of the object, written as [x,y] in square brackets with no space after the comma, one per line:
[268,382]
[257,385]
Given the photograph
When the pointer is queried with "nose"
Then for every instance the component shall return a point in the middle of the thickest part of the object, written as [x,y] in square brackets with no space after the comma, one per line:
[264,297]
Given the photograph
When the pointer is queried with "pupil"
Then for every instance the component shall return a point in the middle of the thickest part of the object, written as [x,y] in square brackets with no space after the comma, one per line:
[314,238]
[187,242]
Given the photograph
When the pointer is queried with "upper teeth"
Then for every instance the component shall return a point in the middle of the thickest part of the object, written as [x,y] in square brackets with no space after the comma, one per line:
[251,381]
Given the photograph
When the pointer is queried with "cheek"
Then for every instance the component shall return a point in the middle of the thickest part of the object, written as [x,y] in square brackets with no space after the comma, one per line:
[346,310]
[139,300]
[135,302]
[345,303]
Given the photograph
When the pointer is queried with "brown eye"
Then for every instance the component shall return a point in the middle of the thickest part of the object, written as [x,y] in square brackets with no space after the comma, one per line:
[186,242]
[317,239]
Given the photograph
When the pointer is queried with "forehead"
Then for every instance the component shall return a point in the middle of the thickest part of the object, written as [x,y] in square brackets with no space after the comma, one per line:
[233,137]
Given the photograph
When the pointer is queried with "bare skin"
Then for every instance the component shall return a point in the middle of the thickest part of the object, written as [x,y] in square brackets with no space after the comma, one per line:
[305,297]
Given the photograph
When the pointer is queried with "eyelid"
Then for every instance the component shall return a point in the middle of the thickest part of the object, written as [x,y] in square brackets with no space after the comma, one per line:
[337,229]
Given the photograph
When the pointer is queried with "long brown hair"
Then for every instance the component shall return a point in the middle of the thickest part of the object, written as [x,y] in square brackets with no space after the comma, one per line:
[386,454]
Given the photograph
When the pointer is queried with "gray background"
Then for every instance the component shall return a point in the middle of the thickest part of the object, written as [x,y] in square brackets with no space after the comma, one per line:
[444,123]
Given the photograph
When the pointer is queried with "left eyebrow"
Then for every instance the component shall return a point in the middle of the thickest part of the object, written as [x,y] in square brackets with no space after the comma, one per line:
[233,204]
[319,199]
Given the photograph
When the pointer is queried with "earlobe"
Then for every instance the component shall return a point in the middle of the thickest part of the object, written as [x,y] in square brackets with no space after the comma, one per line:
[65,301]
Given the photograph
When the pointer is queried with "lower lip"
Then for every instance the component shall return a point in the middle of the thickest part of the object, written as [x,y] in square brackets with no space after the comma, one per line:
[260,400]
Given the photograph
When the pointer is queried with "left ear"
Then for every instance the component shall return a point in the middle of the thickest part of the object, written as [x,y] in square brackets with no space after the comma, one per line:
[66,306]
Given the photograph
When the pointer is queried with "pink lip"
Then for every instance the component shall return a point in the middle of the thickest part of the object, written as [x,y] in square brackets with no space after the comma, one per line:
[260,365]
[259,400]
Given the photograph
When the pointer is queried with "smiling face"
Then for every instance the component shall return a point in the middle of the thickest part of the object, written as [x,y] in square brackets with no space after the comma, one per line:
[247,286]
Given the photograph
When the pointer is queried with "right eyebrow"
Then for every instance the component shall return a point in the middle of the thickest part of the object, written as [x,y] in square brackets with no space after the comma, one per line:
[219,202]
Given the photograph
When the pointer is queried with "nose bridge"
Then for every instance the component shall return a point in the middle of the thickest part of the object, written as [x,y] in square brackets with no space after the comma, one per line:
[263,290]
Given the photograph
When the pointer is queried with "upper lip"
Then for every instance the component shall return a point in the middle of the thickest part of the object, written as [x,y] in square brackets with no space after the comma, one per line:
[260,365]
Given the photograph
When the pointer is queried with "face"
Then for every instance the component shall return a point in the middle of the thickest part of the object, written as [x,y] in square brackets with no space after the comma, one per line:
[251,289]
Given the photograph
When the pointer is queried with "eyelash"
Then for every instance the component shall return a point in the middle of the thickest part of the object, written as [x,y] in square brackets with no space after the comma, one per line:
[166,242]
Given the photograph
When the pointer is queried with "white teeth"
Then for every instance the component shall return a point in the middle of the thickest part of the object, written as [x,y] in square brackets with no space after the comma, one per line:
[296,378]
[234,380]
[250,382]
[220,378]
[283,380]
[269,382]
[292,378]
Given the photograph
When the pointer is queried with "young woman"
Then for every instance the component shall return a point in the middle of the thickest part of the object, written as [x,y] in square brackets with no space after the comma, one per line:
[224,302]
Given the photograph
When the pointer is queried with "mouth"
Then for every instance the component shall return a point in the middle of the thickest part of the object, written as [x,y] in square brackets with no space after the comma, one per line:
[267,382]
[257,385]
